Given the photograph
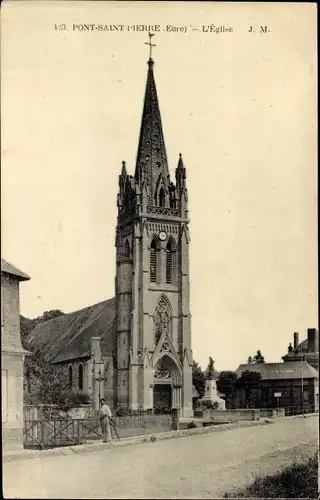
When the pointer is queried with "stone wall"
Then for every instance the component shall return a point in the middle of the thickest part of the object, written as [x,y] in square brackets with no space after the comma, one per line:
[231,415]
[272,412]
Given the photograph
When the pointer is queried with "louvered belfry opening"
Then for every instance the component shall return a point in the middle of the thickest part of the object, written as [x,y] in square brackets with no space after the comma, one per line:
[153,262]
[169,262]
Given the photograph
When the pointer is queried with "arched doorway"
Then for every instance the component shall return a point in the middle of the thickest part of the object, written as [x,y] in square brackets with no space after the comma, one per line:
[162,398]
[167,385]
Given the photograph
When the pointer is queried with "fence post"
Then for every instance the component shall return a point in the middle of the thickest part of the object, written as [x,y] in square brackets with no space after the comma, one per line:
[175,419]
[42,437]
[78,432]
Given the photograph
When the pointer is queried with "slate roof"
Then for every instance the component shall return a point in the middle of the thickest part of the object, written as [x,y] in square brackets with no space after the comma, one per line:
[68,337]
[281,371]
[7,268]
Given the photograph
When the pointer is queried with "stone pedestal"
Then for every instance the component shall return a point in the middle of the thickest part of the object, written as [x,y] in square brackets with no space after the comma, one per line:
[211,394]
[187,412]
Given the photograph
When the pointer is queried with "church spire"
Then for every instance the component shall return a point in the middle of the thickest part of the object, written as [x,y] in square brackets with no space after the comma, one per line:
[151,166]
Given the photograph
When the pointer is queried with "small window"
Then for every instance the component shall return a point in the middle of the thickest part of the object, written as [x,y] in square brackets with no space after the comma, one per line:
[127,249]
[70,376]
[81,377]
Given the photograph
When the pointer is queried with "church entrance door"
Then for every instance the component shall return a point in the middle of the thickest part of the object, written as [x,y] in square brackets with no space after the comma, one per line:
[162,398]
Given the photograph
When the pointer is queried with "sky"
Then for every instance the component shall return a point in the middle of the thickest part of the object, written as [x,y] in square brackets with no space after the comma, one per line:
[240,106]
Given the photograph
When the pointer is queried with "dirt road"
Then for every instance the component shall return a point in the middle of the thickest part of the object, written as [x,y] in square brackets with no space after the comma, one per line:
[202,466]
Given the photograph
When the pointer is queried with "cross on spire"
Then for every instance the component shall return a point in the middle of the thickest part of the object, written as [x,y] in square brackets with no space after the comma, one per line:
[150,44]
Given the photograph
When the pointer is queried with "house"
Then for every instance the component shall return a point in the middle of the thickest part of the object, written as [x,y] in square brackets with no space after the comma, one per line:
[307,350]
[295,382]
[12,357]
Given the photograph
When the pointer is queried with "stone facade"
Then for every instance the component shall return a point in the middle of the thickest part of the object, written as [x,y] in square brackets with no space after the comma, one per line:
[142,358]
[154,357]
[12,357]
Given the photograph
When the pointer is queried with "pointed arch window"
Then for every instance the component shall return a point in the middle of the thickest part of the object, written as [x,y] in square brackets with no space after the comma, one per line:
[70,376]
[154,261]
[127,249]
[162,198]
[170,261]
[81,377]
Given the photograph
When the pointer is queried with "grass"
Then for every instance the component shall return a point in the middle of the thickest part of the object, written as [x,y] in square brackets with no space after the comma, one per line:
[298,481]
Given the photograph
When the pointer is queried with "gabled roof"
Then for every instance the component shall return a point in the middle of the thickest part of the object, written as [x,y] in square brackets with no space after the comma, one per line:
[277,371]
[69,336]
[7,268]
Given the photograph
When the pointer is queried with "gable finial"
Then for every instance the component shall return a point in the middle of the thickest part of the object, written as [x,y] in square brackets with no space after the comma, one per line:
[150,45]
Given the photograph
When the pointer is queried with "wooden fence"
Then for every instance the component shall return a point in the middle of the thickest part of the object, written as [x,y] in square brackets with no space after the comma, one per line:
[45,433]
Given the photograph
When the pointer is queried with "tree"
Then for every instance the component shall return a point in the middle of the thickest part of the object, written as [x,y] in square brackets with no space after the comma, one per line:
[50,386]
[27,324]
[256,359]
[248,383]
[259,358]
[198,378]
[47,315]
[227,385]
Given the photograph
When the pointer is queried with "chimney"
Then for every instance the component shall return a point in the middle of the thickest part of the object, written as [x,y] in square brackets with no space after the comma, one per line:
[311,340]
[295,340]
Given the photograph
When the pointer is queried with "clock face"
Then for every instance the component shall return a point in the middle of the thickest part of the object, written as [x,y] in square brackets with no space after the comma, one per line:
[162,236]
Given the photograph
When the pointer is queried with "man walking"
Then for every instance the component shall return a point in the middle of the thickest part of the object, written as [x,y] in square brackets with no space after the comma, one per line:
[105,416]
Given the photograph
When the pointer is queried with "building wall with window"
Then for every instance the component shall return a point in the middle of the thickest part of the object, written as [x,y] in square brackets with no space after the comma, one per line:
[296,382]
[12,357]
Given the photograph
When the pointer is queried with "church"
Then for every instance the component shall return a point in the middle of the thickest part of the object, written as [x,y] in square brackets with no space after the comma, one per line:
[135,348]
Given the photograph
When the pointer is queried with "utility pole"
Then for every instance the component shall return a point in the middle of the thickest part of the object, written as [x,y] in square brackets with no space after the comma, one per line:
[302,384]
[93,390]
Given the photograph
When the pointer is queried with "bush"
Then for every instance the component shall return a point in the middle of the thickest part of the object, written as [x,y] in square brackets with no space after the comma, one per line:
[79,398]
[209,405]
[125,411]
[298,481]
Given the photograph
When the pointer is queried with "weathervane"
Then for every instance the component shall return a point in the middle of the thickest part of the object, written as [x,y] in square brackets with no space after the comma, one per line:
[150,44]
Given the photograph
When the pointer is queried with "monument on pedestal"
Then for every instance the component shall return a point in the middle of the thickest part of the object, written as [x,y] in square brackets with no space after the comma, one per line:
[211,393]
